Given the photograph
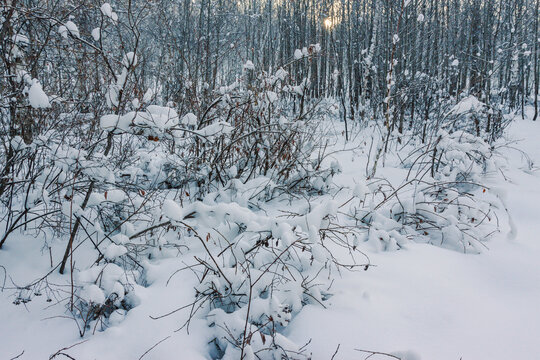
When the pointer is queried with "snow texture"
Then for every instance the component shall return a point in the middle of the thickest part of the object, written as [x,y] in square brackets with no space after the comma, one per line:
[37,97]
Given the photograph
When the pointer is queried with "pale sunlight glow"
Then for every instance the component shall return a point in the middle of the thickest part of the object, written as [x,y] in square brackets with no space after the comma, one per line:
[328,23]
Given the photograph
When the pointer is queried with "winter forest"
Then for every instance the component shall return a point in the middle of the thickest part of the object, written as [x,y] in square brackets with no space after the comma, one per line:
[269,179]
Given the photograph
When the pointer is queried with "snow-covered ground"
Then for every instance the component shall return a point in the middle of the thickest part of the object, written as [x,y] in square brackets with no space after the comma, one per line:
[434,303]
[422,302]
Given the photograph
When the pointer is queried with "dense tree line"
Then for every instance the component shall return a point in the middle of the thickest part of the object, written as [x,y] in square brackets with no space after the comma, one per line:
[378,55]
[420,47]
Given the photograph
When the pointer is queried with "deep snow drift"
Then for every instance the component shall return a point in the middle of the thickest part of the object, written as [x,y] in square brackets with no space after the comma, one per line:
[421,302]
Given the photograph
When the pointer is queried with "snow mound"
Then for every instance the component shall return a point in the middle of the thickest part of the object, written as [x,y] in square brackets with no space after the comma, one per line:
[37,97]
[468,104]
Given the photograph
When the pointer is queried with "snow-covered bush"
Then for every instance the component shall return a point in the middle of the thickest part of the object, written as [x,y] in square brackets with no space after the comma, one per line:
[101,184]
[256,272]
[441,201]
[105,293]
[473,116]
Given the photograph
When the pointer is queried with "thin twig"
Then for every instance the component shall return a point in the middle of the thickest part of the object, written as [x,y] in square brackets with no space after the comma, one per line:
[372,353]
[156,344]
[335,352]
[18,356]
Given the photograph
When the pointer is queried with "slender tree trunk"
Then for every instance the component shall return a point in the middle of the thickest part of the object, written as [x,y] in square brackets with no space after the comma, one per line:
[536,70]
